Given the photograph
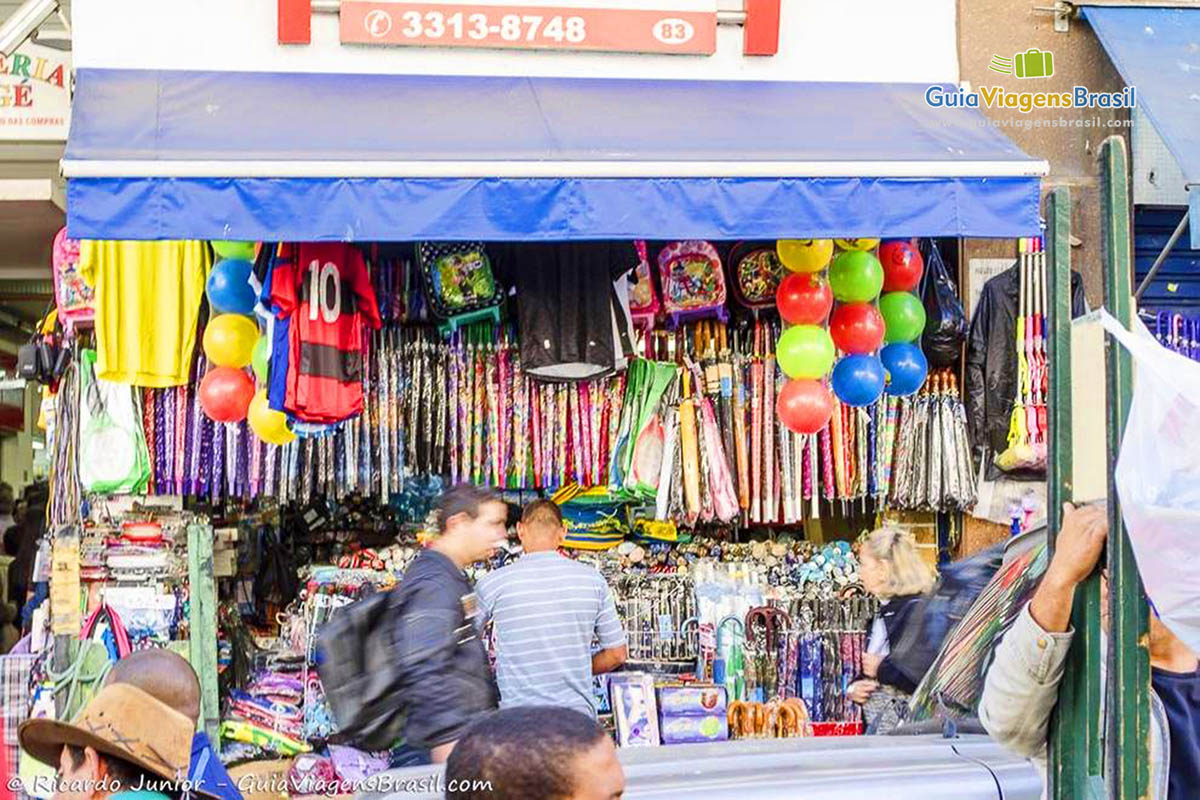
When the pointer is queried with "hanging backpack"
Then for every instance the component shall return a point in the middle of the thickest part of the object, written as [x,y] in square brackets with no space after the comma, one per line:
[755,271]
[643,296]
[945,320]
[75,298]
[460,285]
[693,282]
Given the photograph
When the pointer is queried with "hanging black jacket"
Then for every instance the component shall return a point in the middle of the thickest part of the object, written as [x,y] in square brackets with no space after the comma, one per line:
[991,380]
[571,323]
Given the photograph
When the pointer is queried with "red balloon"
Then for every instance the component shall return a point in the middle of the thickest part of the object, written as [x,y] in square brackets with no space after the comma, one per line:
[804,406]
[804,299]
[857,328]
[225,394]
[902,266]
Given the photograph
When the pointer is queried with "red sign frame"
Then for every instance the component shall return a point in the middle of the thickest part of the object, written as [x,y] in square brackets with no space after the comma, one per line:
[448,24]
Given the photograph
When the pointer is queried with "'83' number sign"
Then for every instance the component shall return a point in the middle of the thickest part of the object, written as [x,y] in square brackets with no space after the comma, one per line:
[528,27]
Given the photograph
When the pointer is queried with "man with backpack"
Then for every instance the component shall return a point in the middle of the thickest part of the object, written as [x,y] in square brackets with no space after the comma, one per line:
[412,662]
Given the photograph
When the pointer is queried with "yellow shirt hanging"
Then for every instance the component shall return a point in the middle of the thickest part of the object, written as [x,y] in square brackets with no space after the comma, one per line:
[147,303]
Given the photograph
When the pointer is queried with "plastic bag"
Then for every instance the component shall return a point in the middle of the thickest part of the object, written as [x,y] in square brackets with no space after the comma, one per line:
[1158,477]
[945,320]
[113,458]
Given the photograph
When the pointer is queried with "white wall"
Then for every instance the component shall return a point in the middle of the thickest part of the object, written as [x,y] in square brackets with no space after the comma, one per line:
[821,40]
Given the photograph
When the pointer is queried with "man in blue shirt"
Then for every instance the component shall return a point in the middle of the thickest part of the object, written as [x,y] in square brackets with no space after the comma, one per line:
[169,678]
[1175,676]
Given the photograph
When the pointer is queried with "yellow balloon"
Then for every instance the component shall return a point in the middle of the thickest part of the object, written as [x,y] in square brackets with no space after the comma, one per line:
[229,340]
[805,255]
[269,425]
[858,244]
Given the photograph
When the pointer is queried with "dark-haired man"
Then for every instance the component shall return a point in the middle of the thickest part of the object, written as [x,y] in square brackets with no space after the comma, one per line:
[535,751]
[547,610]
[446,681]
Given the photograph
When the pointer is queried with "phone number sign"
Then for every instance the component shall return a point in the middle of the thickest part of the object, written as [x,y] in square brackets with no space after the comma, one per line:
[528,27]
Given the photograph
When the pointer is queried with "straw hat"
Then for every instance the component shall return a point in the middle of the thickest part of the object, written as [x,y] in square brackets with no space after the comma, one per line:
[120,721]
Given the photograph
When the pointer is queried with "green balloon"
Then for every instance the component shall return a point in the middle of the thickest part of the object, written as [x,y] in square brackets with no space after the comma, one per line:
[856,277]
[258,359]
[805,351]
[903,316]
[239,250]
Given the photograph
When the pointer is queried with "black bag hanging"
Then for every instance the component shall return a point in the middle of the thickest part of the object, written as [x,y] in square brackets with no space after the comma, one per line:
[945,319]
[41,359]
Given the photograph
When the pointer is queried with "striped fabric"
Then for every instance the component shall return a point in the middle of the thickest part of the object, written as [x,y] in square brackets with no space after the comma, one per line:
[547,612]
[16,672]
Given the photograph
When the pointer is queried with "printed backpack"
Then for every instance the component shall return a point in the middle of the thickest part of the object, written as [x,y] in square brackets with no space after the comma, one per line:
[693,282]
[755,271]
[74,297]
[459,283]
[643,295]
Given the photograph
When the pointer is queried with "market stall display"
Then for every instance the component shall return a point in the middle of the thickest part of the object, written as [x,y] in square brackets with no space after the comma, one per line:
[691,474]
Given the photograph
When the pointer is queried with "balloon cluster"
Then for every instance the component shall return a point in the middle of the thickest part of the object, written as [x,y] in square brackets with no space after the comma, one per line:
[805,350]
[858,326]
[231,343]
[904,318]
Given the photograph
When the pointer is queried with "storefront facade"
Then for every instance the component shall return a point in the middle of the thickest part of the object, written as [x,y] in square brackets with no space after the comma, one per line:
[226,122]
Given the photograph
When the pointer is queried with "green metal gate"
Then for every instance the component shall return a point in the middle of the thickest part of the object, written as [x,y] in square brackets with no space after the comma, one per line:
[1093,754]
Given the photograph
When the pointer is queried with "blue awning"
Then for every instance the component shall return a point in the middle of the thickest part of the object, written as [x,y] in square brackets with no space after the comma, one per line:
[167,154]
[1157,50]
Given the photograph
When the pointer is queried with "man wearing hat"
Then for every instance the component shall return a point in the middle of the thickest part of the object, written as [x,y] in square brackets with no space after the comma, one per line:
[123,744]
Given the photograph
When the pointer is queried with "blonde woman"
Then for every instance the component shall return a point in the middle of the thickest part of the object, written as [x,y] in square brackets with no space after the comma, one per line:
[892,570]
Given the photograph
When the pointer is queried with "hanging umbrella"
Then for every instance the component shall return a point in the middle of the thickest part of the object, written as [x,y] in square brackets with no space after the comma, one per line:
[936,438]
[965,464]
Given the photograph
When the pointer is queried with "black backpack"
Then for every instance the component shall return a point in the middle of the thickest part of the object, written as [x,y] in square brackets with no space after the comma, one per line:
[360,670]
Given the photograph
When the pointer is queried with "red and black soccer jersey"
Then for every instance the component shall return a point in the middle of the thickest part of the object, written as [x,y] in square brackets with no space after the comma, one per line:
[326,292]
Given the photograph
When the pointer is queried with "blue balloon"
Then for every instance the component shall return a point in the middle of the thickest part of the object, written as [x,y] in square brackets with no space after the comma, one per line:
[858,380]
[228,287]
[906,368]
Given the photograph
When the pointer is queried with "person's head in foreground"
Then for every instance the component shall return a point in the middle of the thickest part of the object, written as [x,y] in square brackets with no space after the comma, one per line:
[890,565]
[162,674]
[532,752]
[471,520]
[541,527]
[123,740]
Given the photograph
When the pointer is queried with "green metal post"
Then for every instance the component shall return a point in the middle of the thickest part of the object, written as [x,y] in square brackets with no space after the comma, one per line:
[202,621]
[1129,657]
[1075,739]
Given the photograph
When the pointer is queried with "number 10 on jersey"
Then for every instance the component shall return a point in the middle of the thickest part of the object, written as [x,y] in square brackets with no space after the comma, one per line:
[324,292]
